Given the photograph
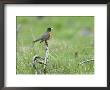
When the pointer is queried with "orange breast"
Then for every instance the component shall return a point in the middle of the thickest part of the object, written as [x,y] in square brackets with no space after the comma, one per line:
[49,35]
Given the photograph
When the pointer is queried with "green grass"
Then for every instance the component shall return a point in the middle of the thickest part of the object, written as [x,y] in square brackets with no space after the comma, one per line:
[65,42]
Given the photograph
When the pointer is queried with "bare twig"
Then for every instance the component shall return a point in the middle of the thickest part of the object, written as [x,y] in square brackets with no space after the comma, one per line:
[41,60]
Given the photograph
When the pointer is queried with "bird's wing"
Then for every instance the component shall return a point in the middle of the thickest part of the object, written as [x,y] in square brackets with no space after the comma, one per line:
[42,37]
[45,36]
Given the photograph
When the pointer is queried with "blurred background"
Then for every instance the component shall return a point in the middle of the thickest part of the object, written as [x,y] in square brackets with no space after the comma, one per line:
[72,42]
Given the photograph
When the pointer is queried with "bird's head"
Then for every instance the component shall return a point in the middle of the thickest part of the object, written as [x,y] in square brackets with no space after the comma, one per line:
[49,29]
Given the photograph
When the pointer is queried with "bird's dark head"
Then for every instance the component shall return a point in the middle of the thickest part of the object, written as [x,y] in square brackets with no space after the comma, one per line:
[49,29]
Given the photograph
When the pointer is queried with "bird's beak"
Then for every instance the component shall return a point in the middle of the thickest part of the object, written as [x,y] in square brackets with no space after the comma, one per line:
[51,28]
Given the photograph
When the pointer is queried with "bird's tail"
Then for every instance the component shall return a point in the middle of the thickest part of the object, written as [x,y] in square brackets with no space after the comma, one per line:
[36,40]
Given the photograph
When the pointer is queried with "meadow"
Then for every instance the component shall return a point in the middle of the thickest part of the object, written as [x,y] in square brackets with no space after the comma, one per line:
[71,44]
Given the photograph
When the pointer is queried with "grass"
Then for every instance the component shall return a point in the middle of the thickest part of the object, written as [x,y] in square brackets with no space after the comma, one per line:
[68,38]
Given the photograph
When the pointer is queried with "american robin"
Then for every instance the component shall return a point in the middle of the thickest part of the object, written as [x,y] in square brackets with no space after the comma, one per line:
[46,36]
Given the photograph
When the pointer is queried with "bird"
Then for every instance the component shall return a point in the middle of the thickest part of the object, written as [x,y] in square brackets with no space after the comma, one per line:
[44,37]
